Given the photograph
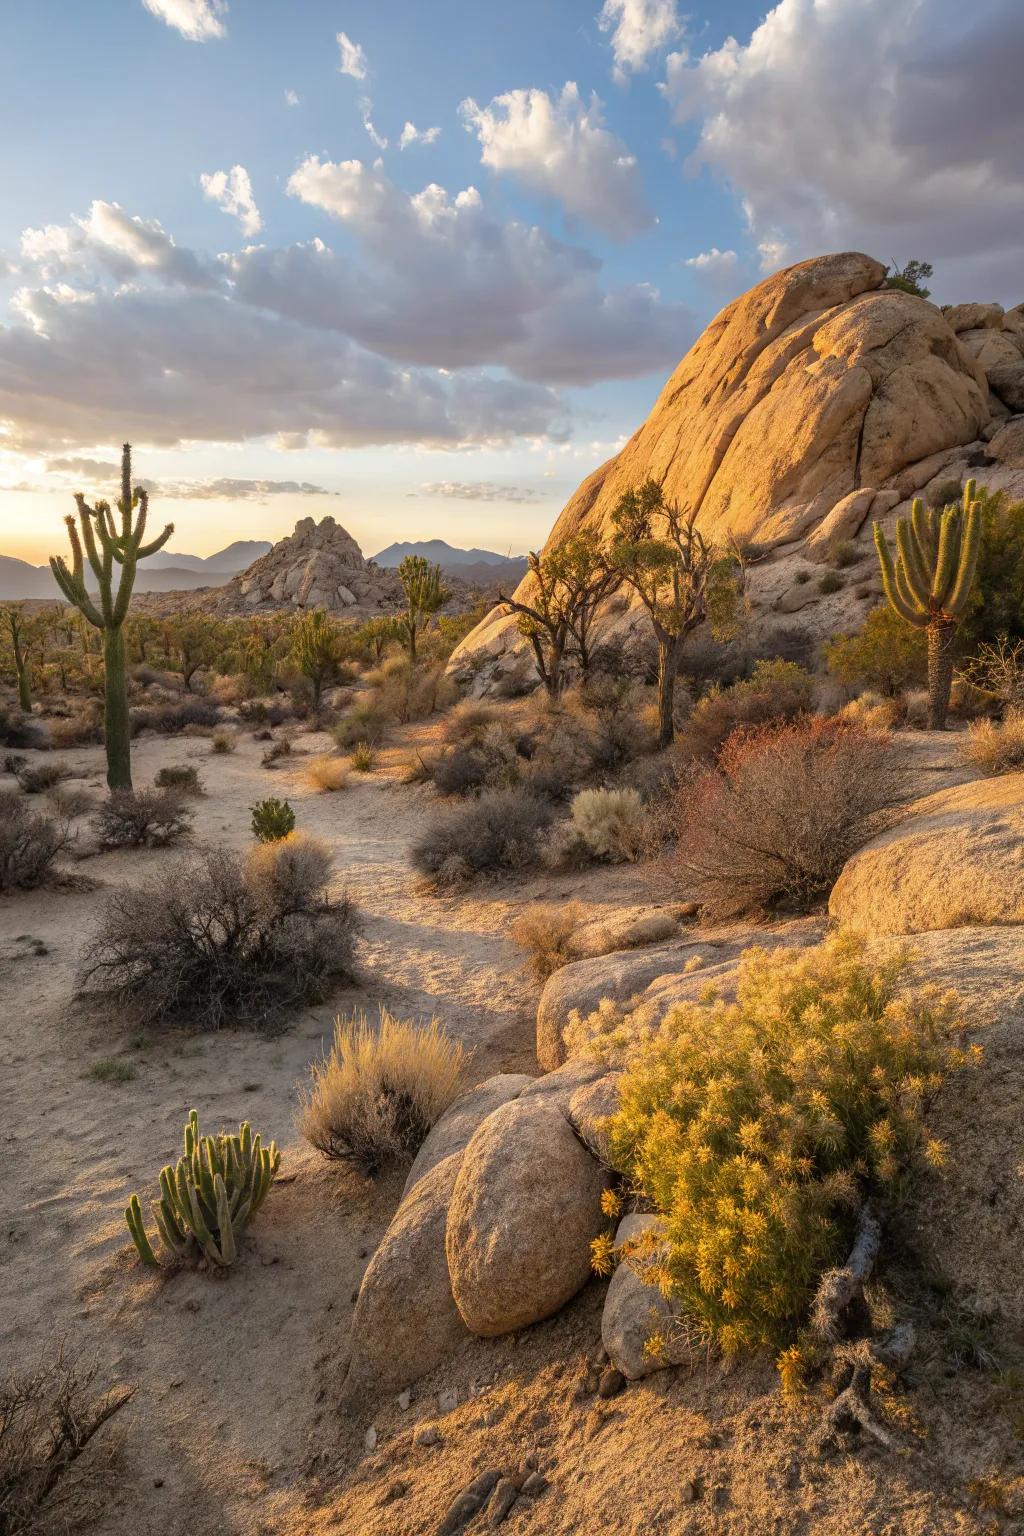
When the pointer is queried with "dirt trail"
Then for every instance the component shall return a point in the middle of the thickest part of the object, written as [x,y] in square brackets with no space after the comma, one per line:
[224,1419]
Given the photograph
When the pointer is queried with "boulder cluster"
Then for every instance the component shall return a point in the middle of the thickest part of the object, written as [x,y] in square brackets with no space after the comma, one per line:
[817,402]
[320,565]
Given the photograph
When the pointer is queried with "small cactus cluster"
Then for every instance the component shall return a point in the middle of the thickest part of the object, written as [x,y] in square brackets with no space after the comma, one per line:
[208,1198]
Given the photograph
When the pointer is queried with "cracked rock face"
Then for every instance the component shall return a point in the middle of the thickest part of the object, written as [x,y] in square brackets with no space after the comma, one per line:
[814,385]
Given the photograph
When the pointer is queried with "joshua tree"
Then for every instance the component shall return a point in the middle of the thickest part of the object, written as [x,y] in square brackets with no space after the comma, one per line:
[315,649]
[378,631]
[930,583]
[425,592]
[106,548]
[682,580]
[14,621]
[569,583]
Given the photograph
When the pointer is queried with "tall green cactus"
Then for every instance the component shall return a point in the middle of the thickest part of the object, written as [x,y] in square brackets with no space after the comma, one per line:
[930,582]
[15,622]
[107,548]
[208,1198]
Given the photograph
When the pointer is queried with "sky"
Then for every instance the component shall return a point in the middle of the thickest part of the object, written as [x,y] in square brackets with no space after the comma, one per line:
[423,266]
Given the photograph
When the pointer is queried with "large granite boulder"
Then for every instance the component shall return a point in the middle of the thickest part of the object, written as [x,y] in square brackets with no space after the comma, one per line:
[456,1126]
[319,565]
[815,384]
[955,861]
[525,1209]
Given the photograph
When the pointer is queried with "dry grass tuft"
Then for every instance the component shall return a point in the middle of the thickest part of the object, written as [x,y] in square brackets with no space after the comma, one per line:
[326,774]
[546,933]
[996,746]
[373,1099]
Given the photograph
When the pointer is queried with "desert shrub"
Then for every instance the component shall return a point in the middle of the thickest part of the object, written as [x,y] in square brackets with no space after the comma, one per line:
[183,777]
[175,716]
[224,740]
[141,818]
[365,721]
[208,1199]
[37,778]
[373,1099]
[272,819]
[399,692]
[845,554]
[872,711]
[277,751]
[17,730]
[915,708]
[802,577]
[623,720]
[559,751]
[944,494]
[284,871]
[52,1481]
[609,822]
[997,671]
[363,757]
[218,941]
[831,581]
[886,654]
[29,843]
[545,930]
[259,712]
[490,761]
[70,801]
[499,831]
[467,723]
[996,746]
[779,815]
[83,728]
[326,774]
[758,1129]
[775,690]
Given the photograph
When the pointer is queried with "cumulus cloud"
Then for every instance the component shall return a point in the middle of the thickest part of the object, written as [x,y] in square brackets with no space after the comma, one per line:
[559,147]
[227,489]
[444,284]
[353,59]
[639,28]
[906,142]
[198,20]
[478,490]
[93,470]
[716,268]
[412,135]
[123,246]
[232,192]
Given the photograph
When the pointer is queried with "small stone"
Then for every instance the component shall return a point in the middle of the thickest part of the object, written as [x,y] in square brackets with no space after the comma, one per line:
[505,1495]
[469,1503]
[370,1438]
[535,1485]
[396,1490]
[611,1383]
[448,1401]
[426,1434]
[404,1399]
[158,1482]
[688,1492]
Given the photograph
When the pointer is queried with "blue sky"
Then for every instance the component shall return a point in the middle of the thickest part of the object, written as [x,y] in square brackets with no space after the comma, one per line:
[207,244]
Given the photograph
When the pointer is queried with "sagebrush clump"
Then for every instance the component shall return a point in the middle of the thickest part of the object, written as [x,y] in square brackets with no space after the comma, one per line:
[326,774]
[545,931]
[141,818]
[610,823]
[373,1099]
[218,941]
[996,746]
[182,777]
[498,832]
[29,843]
[757,1129]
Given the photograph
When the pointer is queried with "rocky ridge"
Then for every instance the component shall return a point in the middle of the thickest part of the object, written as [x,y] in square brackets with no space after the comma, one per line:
[814,404]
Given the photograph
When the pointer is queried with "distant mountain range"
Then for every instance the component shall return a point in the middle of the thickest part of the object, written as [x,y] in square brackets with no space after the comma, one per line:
[171,571]
[166,571]
[479,567]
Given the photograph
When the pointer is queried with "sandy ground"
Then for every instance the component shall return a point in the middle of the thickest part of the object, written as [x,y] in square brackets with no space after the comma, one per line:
[236,1425]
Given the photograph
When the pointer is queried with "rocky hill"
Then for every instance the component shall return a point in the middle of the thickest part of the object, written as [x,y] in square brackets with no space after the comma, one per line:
[816,402]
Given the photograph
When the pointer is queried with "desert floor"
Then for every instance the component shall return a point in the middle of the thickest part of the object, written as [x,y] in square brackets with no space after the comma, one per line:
[236,1426]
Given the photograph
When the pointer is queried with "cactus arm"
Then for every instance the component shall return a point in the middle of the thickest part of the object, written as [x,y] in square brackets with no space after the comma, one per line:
[903,605]
[969,495]
[970,544]
[137,1228]
[946,560]
[225,1228]
[911,611]
[155,544]
[914,574]
[924,532]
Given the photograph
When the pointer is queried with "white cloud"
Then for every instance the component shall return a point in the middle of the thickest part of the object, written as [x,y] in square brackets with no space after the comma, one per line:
[124,246]
[232,192]
[291,98]
[478,490]
[412,135]
[560,148]
[365,108]
[353,59]
[717,268]
[443,284]
[198,20]
[639,29]
[861,124]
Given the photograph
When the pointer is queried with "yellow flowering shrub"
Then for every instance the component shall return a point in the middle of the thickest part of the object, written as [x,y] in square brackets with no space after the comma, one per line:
[756,1129]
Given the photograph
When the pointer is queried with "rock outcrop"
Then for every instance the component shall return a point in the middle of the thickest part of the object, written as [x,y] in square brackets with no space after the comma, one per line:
[320,565]
[817,401]
[956,861]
